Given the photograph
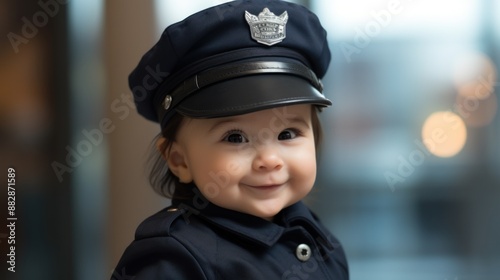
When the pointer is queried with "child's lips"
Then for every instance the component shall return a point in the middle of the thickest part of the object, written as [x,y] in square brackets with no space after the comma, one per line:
[265,187]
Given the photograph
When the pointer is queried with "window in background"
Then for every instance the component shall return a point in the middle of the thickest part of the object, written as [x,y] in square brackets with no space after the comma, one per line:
[412,195]
[87,103]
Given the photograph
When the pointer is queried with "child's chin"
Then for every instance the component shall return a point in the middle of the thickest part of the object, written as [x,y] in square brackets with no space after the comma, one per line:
[268,214]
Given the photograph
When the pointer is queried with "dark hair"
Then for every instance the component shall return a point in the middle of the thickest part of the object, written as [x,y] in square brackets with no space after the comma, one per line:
[165,183]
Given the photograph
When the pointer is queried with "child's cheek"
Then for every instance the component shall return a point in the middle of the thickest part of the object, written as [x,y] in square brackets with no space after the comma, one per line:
[218,173]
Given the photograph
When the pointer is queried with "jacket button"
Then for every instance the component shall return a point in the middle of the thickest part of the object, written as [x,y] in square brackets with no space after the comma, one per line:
[303,252]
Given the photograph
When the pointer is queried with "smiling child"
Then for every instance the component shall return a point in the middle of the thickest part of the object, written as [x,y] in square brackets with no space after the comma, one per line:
[238,108]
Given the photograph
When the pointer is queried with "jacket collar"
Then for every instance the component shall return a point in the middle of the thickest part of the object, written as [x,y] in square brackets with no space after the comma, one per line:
[256,229]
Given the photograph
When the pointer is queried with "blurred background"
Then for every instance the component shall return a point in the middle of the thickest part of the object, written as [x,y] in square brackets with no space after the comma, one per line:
[409,176]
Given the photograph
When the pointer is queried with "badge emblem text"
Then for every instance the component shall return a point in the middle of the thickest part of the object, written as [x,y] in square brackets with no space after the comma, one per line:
[267,28]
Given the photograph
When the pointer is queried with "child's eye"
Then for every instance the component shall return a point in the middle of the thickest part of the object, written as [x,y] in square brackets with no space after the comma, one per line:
[288,134]
[235,136]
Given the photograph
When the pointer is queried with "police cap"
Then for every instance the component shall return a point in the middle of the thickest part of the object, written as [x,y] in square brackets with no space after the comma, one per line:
[231,59]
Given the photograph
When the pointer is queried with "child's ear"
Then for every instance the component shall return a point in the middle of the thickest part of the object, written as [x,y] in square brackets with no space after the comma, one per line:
[176,159]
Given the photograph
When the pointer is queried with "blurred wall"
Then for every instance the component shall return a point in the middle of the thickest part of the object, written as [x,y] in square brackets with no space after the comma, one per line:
[34,131]
[129,33]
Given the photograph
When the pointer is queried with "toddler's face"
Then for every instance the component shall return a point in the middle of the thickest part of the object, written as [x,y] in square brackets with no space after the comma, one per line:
[257,163]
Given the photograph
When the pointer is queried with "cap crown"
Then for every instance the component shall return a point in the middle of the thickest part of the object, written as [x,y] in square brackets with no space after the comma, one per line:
[221,35]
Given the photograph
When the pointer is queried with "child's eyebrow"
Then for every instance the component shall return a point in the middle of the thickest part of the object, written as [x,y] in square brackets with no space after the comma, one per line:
[221,122]
[299,120]
[292,120]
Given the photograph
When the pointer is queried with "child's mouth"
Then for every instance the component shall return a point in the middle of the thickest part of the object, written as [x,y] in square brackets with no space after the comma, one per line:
[265,187]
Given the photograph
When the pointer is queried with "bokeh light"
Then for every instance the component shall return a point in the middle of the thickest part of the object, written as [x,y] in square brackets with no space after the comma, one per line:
[475,79]
[477,112]
[474,76]
[444,134]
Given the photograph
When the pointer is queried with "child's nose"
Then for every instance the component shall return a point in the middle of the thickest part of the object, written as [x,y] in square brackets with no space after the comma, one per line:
[267,159]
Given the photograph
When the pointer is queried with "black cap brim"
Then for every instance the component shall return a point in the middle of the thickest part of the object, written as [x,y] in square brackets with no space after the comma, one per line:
[249,94]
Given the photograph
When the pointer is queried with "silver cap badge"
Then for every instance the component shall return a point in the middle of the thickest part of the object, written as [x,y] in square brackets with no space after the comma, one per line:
[267,28]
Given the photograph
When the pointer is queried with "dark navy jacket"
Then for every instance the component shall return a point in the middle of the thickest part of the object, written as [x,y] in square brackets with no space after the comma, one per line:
[199,240]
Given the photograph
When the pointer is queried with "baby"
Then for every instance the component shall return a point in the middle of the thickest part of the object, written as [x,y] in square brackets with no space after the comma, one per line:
[238,113]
